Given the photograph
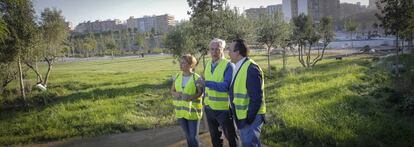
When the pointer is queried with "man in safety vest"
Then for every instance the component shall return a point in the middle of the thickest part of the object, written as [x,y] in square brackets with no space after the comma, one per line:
[247,95]
[218,74]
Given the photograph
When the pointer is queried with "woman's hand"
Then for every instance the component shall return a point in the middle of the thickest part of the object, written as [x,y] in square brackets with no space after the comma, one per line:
[177,95]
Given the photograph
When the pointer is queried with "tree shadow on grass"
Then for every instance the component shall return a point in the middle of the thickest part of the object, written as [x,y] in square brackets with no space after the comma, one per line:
[323,71]
[72,86]
[95,94]
[142,105]
[140,60]
[296,136]
[38,99]
[109,93]
[371,123]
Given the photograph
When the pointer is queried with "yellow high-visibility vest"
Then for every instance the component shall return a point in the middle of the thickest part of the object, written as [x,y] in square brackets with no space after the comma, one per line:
[190,110]
[215,99]
[241,98]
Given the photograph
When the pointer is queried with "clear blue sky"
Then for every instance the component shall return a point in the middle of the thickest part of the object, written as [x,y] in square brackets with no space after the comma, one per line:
[76,11]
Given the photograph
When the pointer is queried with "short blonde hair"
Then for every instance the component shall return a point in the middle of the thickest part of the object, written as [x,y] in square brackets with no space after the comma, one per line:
[190,59]
[221,42]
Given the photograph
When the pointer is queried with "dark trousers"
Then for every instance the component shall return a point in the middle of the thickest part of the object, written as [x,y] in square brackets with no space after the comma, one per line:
[225,121]
[190,128]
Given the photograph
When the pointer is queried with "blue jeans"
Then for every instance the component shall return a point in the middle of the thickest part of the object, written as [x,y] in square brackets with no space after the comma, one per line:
[216,118]
[250,134]
[190,128]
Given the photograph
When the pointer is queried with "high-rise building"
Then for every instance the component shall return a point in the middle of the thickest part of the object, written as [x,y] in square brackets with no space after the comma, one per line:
[272,9]
[160,24]
[254,13]
[348,9]
[315,8]
[372,4]
[99,26]
[324,8]
[287,10]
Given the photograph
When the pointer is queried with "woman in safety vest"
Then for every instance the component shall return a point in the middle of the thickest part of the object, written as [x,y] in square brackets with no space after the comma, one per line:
[187,99]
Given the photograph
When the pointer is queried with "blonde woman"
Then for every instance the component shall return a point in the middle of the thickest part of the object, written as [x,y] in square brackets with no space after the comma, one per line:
[187,99]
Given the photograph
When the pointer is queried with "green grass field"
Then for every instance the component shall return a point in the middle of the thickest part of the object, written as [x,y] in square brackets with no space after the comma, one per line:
[314,107]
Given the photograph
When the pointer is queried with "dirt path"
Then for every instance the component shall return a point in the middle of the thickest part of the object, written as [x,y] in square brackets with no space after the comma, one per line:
[171,137]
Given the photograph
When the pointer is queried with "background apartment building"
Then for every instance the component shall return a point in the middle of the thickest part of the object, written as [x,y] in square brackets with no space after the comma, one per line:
[160,24]
[99,26]
[317,9]
[254,13]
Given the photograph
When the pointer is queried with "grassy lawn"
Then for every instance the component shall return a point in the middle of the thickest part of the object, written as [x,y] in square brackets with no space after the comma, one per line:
[316,107]
[95,98]
[326,106]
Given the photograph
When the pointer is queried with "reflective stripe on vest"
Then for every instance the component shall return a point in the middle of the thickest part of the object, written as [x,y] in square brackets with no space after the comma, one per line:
[215,99]
[241,98]
[190,110]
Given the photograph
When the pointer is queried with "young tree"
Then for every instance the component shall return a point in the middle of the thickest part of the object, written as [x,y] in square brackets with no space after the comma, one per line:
[140,41]
[394,16]
[272,30]
[350,27]
[89,44]
[19,18]
[110,46]
[409,30]
[152,41]
[235,25]
[179,40]
[205,25]
[327,34]
[54,33]
[305,35]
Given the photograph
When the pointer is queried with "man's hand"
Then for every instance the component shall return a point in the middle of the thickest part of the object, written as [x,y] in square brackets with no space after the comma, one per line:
[200,83]
[249,120]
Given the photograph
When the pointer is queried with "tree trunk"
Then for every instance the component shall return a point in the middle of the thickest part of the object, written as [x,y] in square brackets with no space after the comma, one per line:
[299,55]
[73,52]
[268,61]
[397,60]
[36,71]
[402,46]
[39,77]
[204,62]
[10,77]
[308,56]
[319,58]
[22,92]
[301,52]
[284,60]
[50,65]
[411,43]
[352,42]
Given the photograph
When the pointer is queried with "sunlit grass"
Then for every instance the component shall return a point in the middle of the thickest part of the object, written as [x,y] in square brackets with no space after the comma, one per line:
[95,98]
[317,107]
[306,107]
